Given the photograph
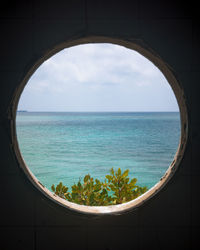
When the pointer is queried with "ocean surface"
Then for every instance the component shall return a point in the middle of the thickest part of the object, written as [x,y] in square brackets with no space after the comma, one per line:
[59,146]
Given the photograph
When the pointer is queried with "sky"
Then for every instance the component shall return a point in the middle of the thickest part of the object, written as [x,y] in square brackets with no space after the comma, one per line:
[98,77]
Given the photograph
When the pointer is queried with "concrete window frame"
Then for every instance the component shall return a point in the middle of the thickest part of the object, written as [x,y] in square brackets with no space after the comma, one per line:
[147,52]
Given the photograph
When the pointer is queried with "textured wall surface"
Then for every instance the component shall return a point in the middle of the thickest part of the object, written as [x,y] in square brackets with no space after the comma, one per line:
[29,220]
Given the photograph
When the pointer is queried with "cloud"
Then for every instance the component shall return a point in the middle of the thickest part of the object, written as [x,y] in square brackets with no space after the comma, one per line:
[96,75]
[100,63]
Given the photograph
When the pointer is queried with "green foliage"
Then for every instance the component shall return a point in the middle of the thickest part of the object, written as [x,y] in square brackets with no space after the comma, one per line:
[116,189]
[60,190]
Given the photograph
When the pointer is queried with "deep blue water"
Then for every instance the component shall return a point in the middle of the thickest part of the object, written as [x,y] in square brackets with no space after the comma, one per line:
[66,146]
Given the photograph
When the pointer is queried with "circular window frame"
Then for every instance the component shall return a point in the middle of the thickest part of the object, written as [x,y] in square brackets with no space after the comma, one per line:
[141,48]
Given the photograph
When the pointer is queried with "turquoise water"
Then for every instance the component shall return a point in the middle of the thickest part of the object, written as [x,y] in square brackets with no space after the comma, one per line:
[66,146]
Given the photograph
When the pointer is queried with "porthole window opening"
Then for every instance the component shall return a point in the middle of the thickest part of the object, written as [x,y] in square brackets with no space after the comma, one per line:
[93,107]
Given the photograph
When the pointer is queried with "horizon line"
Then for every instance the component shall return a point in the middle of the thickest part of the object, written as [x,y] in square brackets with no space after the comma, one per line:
[96,111]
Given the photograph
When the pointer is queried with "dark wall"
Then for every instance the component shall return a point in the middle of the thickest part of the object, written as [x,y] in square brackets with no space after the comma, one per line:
[170,220]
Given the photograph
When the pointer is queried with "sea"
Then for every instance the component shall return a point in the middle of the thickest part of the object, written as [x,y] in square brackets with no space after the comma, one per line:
[65,146]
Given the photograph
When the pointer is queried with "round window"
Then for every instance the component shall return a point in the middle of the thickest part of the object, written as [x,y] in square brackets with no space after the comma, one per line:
[99,127]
